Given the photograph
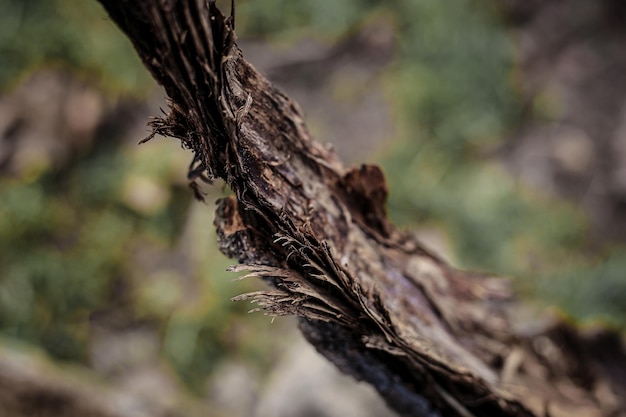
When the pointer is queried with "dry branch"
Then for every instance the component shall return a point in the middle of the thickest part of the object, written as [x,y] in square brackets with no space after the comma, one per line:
[433,340]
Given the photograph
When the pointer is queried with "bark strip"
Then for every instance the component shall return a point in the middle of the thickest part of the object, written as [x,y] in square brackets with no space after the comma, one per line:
[434,341]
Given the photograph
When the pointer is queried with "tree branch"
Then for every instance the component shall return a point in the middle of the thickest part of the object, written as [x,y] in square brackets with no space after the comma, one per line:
[434,341]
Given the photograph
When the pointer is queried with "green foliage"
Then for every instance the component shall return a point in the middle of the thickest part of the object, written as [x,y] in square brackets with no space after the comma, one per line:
[56,260]
[74,33]
[59,253]
[590,290]
[70,238]
[456,102]
[285,18]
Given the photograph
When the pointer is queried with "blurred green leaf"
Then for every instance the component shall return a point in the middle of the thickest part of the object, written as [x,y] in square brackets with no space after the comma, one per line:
[72,33]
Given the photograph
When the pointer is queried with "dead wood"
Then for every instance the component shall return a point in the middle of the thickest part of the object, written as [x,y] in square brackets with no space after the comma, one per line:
[433,340]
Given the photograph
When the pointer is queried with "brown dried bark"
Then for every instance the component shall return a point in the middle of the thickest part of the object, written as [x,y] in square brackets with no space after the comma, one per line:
[433,340]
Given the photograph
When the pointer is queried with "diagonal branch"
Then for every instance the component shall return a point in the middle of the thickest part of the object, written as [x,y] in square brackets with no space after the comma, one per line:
[434,341]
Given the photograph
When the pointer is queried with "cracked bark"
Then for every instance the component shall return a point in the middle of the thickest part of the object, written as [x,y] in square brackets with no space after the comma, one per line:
[434,341]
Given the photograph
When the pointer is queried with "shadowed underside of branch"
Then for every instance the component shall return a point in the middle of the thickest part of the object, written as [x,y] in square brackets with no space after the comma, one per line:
[434,341]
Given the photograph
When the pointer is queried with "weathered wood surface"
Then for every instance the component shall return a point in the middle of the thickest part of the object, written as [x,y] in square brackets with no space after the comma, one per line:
[433,340]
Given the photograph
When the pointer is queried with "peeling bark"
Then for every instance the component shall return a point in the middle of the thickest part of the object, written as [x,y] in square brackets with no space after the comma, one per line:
[433,340]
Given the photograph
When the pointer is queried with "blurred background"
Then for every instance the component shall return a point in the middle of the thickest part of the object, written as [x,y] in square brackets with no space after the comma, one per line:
[501,126]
